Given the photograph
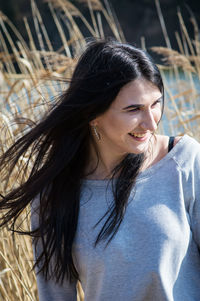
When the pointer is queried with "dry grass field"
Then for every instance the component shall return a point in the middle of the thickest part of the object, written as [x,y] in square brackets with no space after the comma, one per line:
[30,79]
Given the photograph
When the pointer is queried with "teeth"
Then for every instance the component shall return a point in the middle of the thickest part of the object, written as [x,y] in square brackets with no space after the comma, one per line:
[138,135]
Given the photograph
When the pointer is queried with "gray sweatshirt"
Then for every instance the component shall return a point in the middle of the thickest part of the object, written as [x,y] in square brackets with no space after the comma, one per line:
[155,253]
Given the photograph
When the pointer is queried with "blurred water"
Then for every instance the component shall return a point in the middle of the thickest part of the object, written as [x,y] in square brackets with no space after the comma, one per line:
[185,91]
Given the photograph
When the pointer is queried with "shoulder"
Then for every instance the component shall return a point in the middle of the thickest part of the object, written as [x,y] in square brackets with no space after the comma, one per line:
[185,149]
[185,141]
[163,140]
[188,143]
[176,139]
[186,152]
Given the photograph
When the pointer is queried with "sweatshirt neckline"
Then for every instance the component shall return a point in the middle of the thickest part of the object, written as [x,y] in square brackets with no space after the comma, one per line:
[147,172]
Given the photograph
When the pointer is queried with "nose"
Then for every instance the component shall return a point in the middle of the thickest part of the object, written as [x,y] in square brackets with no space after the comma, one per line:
[149,121]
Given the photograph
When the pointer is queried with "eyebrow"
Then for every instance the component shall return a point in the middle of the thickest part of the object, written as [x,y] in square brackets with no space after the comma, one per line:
[139,105]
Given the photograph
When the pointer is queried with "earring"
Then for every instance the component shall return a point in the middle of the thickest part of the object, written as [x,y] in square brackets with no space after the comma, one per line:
[96,132]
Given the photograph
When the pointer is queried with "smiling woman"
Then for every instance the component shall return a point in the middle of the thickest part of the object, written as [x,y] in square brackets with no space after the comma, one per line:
[114,205]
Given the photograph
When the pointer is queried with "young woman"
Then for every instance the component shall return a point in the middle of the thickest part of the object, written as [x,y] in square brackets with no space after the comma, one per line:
[114,205]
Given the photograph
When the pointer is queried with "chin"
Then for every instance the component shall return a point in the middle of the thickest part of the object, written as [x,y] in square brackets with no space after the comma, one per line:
[138,151]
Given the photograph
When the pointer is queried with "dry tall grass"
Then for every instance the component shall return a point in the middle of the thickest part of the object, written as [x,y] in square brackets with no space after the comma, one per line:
[181,74]
[29,79]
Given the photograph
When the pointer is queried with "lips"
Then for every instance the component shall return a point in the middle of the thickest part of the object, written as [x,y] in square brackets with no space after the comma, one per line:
[138,135]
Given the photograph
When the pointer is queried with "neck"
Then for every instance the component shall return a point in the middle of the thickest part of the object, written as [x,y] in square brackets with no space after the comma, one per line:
[158,148]
[101,164]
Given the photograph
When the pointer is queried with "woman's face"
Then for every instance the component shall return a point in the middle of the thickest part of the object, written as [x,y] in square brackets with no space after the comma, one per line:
[128,124]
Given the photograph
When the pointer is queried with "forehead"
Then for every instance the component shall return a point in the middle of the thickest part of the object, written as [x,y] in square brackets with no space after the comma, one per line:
[139,91]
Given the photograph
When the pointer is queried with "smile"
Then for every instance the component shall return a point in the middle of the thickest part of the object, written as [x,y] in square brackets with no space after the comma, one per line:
[137,135]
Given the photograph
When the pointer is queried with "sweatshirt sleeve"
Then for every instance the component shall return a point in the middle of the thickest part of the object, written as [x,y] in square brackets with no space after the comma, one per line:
[194,186]
[50,290]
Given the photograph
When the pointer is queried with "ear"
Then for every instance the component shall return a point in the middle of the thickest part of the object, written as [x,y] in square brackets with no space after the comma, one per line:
[93,122]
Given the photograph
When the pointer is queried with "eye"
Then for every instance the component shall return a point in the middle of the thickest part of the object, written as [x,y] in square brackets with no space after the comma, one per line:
[134,110]
[157,102]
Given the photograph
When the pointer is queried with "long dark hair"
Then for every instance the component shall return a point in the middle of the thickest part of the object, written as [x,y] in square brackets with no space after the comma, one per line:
[59,144]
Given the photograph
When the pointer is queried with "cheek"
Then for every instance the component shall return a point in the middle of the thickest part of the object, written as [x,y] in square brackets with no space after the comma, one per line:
[123,124]
[115,125]
[158,115]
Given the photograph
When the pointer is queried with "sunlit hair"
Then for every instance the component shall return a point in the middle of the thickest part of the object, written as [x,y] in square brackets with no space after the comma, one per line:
[60,143]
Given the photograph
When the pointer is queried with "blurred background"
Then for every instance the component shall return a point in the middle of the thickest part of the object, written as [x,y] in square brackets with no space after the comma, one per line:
[137,18]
